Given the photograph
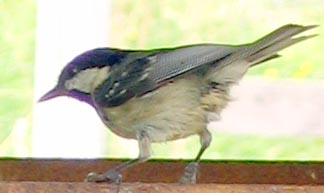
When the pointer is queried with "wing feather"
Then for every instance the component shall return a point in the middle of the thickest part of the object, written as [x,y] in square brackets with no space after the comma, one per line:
[141,72]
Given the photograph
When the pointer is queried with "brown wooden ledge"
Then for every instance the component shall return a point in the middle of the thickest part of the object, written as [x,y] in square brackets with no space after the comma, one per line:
[56,175]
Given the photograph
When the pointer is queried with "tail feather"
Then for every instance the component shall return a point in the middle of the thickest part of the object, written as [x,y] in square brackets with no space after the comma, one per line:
[284,32]
[270,44]
[264,59]
[233,67]
[269,51]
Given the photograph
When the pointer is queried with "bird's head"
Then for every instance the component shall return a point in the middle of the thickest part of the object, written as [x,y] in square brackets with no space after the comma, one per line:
[80,76]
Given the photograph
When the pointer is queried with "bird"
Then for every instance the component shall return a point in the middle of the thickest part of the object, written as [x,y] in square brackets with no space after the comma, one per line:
[165,94]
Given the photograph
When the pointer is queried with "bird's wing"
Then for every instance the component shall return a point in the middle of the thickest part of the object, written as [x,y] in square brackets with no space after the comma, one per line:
[169,65]
[142,72]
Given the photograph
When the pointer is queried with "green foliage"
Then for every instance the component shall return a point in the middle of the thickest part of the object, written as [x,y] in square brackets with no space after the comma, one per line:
[227,146]
[17,30]
[230,146]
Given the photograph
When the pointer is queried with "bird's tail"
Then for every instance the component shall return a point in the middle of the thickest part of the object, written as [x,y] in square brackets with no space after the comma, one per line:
[234,66]
[268,46]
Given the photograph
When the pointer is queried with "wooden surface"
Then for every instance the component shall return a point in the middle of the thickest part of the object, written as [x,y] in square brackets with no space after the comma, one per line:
[76,187]
[29,175]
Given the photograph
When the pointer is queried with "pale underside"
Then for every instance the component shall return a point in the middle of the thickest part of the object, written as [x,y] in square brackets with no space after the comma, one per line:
[176,110]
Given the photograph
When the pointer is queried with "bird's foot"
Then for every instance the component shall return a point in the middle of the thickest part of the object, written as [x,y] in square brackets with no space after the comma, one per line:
[110,176]
[190,174]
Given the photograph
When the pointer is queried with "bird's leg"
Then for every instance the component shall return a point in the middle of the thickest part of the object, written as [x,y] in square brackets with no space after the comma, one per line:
[191,170]
[114,174]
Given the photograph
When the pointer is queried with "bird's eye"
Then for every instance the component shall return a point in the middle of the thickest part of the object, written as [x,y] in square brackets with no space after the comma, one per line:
[74,70]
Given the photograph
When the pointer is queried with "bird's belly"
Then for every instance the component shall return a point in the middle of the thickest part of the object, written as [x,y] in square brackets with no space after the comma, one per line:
[214,102]
[171,112]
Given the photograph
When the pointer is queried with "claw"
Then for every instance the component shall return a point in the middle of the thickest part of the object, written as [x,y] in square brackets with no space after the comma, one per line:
[110,176]
[113,175]
[94,177]
[190,174]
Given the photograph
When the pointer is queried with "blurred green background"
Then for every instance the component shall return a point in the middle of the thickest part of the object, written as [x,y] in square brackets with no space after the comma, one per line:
[152,24]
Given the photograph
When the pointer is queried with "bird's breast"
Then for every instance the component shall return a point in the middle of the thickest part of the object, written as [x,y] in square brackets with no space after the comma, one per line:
[176,110]
[171,112]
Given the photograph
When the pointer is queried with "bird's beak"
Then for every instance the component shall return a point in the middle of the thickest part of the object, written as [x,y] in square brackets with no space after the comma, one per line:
[55,92]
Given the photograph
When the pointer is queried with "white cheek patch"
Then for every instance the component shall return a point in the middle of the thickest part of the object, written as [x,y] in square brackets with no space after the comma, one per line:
[102,75]
[86,80]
